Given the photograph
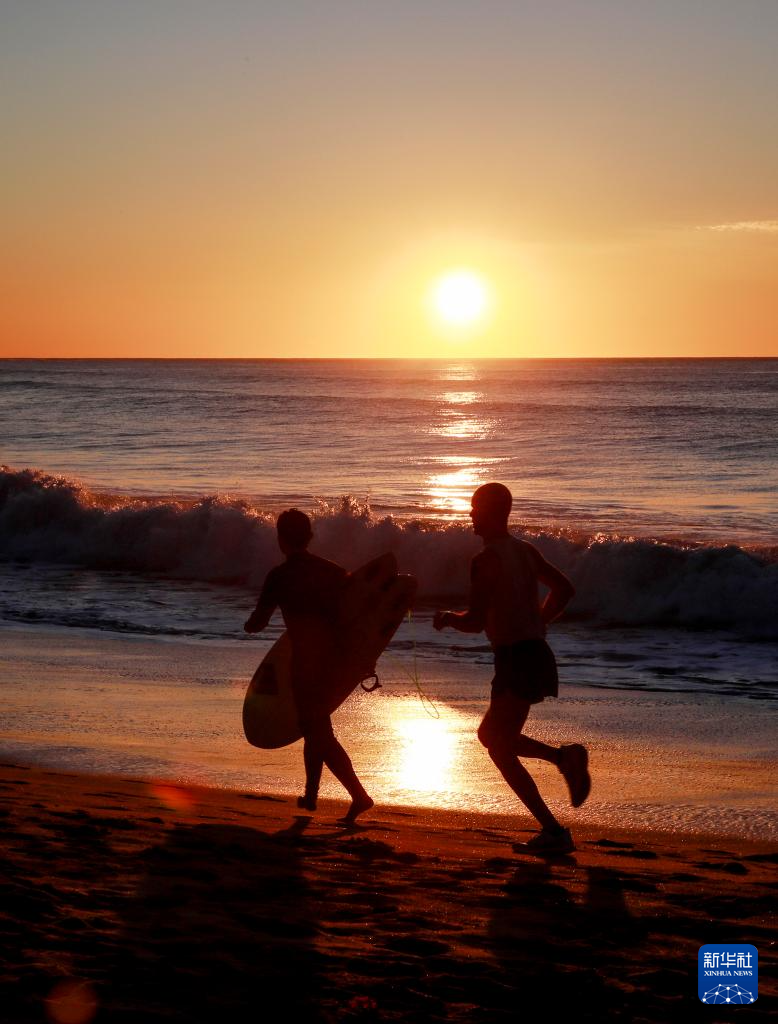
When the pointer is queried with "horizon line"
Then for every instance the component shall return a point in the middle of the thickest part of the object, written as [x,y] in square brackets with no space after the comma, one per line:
[375,359]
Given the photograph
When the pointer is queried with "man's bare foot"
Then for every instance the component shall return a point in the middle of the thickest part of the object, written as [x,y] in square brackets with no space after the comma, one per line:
[307,803]
[358,806]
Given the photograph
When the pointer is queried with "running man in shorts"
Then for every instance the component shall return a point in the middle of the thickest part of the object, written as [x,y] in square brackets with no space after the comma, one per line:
[504,602]
[307,589]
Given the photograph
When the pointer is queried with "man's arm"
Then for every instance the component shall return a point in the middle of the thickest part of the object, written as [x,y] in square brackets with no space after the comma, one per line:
[561,590]
[474,619]
[266,605]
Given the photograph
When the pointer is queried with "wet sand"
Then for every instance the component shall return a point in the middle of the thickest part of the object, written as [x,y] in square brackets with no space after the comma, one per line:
[130,900]
[99,703]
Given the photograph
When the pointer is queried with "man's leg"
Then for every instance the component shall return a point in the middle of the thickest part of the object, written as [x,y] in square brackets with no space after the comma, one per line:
[314,763]
[571,758]
[323,744]
[500,733]
[525,746]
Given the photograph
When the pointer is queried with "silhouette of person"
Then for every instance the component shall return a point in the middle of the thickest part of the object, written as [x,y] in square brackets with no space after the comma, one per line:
[504,602]
[307,589]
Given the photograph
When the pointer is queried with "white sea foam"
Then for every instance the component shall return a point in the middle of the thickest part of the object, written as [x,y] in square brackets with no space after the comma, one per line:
[47,519]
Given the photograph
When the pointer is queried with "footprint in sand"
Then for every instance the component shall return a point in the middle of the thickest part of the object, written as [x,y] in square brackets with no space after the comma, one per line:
[417,946]
[372,849]
[497,863]
[766,858]
[637,854]
[732,867]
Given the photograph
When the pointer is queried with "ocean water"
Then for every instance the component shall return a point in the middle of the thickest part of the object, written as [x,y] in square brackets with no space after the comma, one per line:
[684,449]
[653,484]
[137,507]
[140,496]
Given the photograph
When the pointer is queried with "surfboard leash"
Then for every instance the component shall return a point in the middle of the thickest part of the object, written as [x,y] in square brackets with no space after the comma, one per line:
[376,684]
[414,674]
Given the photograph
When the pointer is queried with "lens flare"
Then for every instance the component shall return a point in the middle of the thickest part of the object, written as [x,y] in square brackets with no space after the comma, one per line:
[174,798]
[71,1002]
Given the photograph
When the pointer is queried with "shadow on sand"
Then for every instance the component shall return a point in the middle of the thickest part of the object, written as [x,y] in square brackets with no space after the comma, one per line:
[559,951]
[221,928]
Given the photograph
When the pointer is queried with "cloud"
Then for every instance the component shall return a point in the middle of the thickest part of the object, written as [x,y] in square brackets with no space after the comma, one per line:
[751,226]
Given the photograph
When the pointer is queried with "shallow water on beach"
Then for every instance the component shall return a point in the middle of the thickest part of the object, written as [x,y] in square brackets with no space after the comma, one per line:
[675,761]
[621,657]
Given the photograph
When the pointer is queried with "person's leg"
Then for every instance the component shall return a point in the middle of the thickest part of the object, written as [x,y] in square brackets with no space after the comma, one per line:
[522,672]
[570,758]
[499,732]
[324,745]
[314,763]
[533,661]
[525,746]
[310,716]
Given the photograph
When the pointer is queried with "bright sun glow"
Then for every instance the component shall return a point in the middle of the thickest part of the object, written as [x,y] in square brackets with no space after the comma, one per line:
[460,298]
[426,752]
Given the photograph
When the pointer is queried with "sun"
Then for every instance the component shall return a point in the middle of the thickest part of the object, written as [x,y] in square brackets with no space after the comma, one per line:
[460,298]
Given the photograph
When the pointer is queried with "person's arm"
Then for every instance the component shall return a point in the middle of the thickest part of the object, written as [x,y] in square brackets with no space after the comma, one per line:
[560,589]
[266,605]
[473,619]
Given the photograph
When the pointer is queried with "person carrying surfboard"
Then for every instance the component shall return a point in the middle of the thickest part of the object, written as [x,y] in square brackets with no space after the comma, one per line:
[308,589]
[504,602]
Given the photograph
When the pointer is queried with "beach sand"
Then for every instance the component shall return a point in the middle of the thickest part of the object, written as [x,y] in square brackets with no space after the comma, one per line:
[131,900]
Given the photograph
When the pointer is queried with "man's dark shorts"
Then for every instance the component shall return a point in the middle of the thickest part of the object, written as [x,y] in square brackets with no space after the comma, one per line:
[526,669]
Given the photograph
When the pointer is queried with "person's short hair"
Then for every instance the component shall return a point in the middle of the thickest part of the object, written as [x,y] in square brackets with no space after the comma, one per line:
[497,497]
[294,528]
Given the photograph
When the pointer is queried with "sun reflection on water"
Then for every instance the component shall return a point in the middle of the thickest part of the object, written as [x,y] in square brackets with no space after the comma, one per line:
[458,371]
[458,423]
[454,418]
[452,489]
[427,750]
[461,397]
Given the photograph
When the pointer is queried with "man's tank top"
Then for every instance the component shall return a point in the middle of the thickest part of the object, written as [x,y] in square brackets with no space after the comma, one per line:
[514,608]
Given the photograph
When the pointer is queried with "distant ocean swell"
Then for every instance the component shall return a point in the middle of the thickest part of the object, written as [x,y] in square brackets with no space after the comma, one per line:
[618,580]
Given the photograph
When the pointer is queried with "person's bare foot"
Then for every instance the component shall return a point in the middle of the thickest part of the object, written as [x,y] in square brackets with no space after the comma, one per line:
[358,806]
[307,803]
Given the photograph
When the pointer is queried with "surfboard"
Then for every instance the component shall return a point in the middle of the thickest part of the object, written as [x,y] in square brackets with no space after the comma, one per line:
[375,601]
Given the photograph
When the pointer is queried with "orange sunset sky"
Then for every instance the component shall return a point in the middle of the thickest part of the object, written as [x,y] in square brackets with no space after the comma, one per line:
[192,179]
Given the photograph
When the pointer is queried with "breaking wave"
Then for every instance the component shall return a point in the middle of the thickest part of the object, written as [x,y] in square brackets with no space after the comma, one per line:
[618,580]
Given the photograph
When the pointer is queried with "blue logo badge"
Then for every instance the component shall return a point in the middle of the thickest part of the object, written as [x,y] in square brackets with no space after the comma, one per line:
[728,972]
